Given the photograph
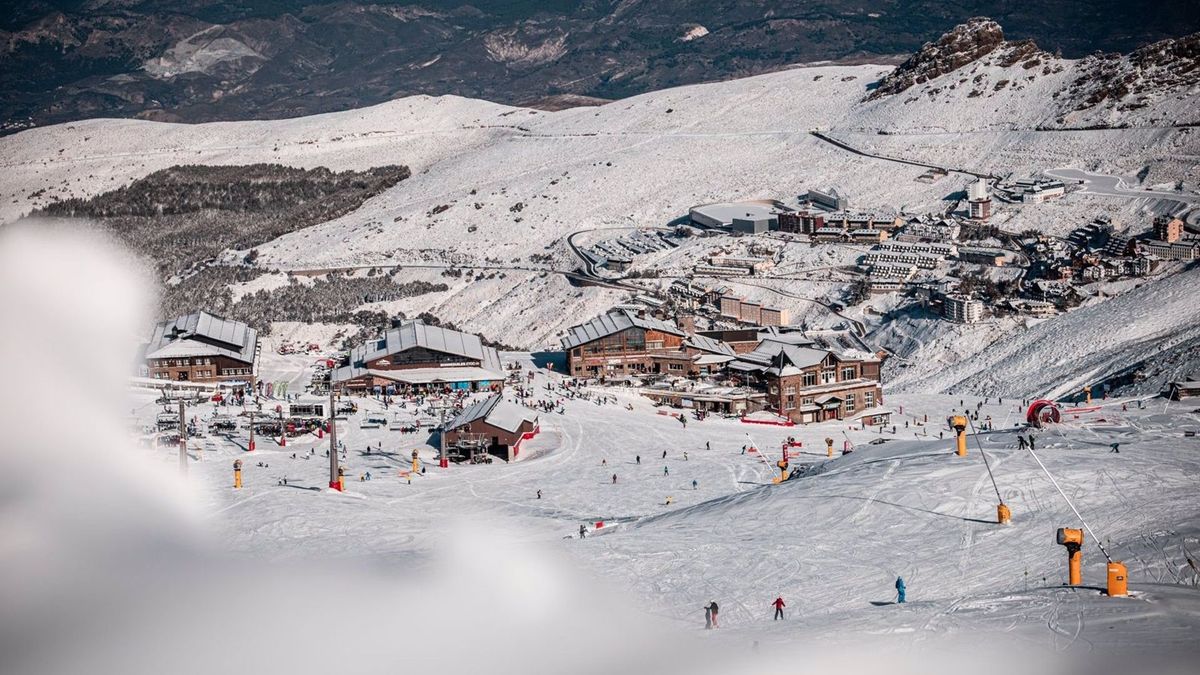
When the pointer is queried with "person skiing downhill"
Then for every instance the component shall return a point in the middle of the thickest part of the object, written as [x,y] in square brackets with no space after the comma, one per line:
[639,459]
[666,471]
[1020,442]
[583,531]
[707,617]
[778,604]
[900,588]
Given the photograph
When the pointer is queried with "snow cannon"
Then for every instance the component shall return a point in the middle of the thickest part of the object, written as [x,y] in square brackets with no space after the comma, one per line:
[1042,412]
[1118,586]
[1087,394]
[959,424]
[829,446]
[783,470]
[340,483]
[237,474]
[1003,514]
[416,462]
[1073,540]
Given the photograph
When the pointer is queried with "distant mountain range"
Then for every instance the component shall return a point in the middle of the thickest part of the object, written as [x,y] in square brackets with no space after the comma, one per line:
[206,60]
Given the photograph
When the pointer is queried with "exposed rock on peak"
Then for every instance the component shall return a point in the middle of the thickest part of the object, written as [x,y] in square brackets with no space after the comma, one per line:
[965,43]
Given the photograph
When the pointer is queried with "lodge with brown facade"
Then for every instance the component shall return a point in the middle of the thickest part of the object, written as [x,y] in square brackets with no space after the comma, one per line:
[202,347]
[805,383]
[623,343]
[492,425]
[419,357]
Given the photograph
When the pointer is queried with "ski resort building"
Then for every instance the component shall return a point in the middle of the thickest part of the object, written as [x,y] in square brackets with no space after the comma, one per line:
[418,357]
[960,309]
[492,425]
[623,343]
[979,202]
[203,347]
[750,217]
[806,383]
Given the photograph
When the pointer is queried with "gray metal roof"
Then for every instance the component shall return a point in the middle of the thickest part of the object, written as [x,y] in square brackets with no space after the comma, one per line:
[435,338]
[611,324]
[208,334]
[707,344]
[496,412]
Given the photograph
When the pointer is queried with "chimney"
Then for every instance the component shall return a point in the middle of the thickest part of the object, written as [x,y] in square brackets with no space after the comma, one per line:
[687,323]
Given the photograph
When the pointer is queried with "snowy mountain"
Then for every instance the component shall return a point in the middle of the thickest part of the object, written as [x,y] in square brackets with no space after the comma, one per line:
[502,187]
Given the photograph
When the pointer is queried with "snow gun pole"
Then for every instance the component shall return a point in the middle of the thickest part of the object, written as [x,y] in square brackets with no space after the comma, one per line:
[183,468]
[1003,513]
[758,450]
[335,475]
[1118,584]
[1068,501]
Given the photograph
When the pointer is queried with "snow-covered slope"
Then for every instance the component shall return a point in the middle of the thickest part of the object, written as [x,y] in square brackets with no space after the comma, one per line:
[1059,356]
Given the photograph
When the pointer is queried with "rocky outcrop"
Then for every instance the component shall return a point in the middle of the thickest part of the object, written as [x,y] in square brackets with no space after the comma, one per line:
[1130,82]
[964,44]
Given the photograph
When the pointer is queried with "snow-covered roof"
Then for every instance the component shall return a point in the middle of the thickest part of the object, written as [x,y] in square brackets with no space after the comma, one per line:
[203,334]
[496,412]
[707,344]
[611,324]
[434,338]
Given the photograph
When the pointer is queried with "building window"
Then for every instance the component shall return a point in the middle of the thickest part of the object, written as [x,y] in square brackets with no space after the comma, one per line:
[774,390]
[850,402]
[808,400]
[791,403]
[828,375]
[810,379]
[675,366]
[848,373]
[869,399]
[790,389]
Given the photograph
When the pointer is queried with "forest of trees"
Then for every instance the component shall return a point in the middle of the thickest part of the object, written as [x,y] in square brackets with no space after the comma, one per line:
[184,215]
[328,300]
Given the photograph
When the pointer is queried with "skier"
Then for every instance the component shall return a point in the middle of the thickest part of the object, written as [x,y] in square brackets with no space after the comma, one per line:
[583,531]
[1115,447]
[666,471]
[614,479]
[639,459]
[695,484]
[707,617]
[900,590]
[743,449]
[664,454]
[685,455]
[1031,442]
[368,475]
[712,608]
[683,421]
[707,445]
[539,494]
[778,604]
[1020,442]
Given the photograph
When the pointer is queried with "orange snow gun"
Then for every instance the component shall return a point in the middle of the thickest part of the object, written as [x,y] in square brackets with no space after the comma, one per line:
[959,424]
[1073,540]
[783,471]
[829,446]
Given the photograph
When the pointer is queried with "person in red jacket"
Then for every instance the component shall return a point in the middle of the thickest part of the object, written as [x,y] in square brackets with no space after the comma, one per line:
[778,608]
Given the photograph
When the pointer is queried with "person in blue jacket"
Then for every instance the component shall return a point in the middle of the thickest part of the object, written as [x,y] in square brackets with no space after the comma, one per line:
[900,590]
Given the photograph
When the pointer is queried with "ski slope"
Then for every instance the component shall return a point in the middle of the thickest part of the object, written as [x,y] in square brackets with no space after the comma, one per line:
[118,564]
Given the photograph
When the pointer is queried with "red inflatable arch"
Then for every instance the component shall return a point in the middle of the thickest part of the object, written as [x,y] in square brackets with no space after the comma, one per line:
[1042,412]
